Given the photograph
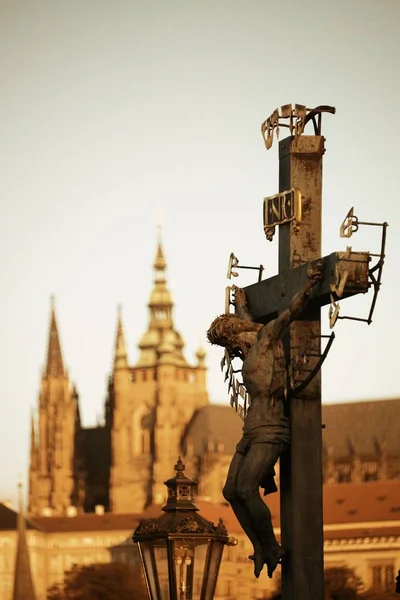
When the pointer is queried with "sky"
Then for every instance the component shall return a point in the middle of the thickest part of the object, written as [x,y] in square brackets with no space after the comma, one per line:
[113,111]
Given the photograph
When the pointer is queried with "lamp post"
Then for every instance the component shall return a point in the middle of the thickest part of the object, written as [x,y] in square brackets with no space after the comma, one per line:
[180,551]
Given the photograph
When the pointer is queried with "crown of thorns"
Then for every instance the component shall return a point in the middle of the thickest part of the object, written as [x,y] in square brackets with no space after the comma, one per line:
[225,328]
[219,328]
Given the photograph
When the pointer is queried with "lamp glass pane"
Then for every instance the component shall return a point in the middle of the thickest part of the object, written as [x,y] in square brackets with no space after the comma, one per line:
[150,570]
[156,567]
[213,563]
[161,557]
[189,557]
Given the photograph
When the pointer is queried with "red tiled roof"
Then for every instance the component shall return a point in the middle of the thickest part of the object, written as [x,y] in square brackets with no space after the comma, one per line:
[88,522]
[360,426]
[345,503]
[9,520]
[362,502]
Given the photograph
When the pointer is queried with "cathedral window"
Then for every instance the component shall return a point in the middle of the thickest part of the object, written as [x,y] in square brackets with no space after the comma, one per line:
[144,375]
[130,442]
[145,442]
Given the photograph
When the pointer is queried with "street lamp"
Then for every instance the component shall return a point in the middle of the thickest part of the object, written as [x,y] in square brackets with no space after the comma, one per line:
[181,551]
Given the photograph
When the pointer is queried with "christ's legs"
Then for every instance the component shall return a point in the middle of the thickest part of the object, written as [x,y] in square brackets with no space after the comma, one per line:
[238,507]
[260,458]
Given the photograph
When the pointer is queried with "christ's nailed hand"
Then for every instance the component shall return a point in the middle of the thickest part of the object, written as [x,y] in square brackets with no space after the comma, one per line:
[239,296]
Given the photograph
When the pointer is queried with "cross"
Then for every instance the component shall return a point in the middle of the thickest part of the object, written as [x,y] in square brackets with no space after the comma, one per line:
[296,210]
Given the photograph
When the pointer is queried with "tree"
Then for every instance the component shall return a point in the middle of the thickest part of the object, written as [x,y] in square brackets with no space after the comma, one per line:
[108,581]
[341,583]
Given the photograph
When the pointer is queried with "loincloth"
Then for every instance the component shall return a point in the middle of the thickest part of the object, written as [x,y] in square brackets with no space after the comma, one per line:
[265,434]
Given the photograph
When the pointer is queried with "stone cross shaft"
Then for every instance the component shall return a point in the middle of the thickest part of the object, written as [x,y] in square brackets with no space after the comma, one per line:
[344,274]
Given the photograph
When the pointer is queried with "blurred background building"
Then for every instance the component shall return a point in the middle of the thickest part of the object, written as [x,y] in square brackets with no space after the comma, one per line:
[88,487]
[158,409]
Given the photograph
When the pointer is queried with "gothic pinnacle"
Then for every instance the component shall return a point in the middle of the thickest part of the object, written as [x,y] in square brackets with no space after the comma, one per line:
[160,262]
[55,365]
[33,453]
[120,356]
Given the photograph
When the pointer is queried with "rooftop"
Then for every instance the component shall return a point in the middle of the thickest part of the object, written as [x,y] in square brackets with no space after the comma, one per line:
[367,506]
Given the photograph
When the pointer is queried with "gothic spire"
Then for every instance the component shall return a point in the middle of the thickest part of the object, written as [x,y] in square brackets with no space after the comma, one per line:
[55,365]
[120,356]
[33,450]
[160,263]
[23,583]
[160,304]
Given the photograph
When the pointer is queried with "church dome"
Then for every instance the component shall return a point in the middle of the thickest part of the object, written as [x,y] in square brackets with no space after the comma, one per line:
[165,348]
[160,297]
[167,343]
[201,353]
[150,339]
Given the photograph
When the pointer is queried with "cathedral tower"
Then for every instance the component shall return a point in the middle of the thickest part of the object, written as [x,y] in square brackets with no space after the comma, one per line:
[152,403]
[52,478]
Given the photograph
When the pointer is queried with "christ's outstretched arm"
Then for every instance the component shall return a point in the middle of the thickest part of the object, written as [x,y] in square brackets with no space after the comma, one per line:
[275,328]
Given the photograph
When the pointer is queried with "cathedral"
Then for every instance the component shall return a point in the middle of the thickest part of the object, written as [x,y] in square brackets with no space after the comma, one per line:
[158,409]
[120,466]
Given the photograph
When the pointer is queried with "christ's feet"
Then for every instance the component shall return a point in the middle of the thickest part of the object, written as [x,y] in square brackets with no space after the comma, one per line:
[271,558]
[258,558]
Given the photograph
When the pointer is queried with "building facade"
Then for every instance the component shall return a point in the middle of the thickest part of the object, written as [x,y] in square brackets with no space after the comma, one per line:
[361,531]
[88,487]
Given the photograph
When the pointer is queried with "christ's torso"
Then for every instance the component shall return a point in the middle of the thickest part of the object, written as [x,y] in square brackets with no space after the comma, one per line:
[264,376]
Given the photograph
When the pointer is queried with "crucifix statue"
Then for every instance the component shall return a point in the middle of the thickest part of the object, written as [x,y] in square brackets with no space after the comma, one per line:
[266,432]
[276,332]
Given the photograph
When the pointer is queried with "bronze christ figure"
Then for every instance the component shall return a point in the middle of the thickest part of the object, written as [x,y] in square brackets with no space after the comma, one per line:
[266,431]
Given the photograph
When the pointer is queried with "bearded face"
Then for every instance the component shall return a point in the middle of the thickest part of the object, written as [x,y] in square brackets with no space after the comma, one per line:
[227,331]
